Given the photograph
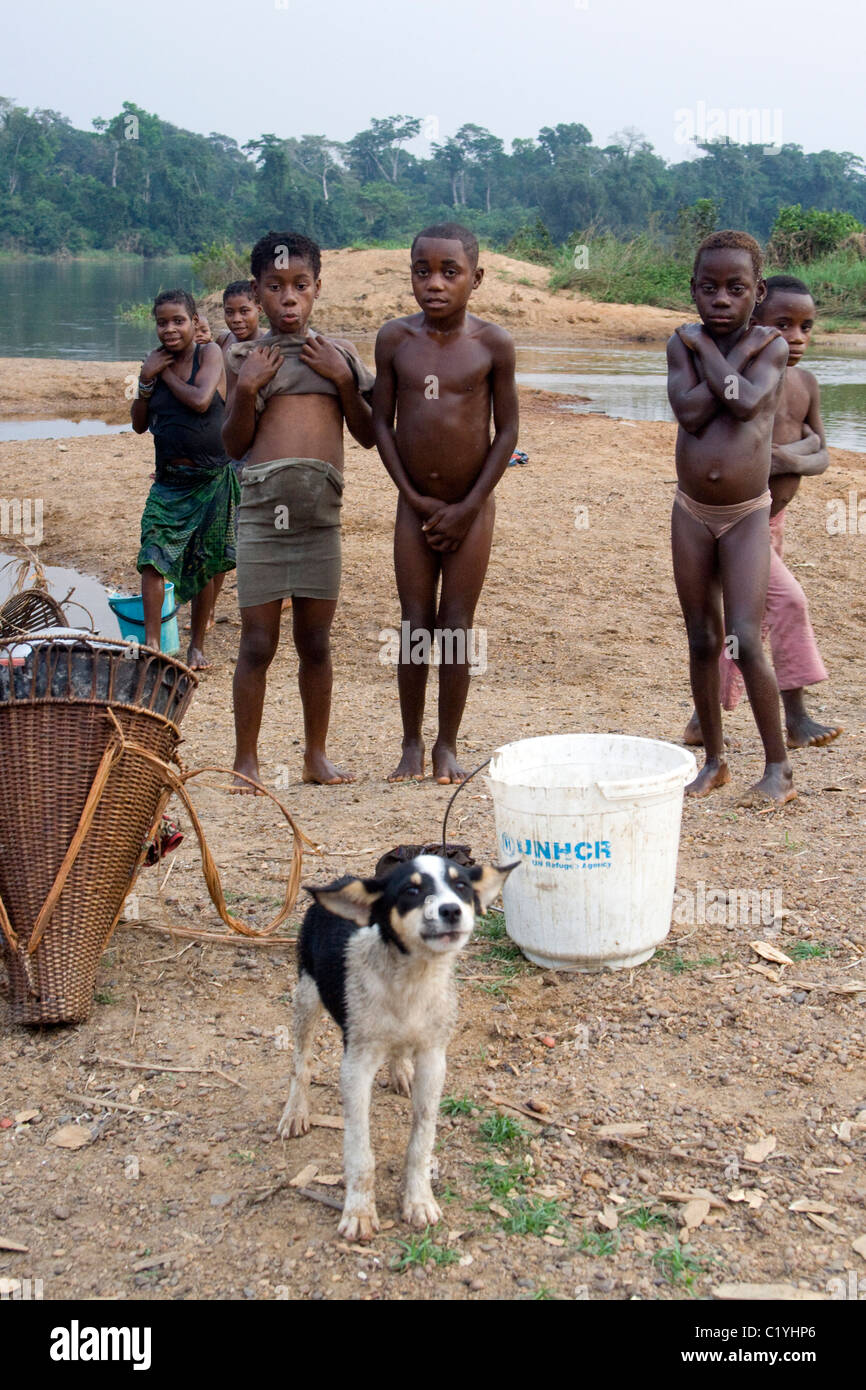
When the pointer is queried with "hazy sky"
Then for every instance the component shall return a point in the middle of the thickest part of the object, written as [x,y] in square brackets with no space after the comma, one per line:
[297,67]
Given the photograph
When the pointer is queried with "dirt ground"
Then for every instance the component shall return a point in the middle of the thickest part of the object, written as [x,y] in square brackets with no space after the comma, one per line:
[703,1052]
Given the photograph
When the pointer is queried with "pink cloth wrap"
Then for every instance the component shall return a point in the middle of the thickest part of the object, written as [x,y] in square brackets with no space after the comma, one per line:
[796,658]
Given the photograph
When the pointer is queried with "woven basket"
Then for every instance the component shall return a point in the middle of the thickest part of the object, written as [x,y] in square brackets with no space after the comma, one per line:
[29,610]
[76,805]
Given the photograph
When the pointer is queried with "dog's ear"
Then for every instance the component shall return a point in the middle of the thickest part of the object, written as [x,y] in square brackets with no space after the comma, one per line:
[487,880]
[353,900]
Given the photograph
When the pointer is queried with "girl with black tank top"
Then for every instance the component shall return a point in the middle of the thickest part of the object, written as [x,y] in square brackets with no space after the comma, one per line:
[188,526]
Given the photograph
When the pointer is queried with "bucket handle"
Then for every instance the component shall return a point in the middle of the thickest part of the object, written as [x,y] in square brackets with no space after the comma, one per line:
[139,622]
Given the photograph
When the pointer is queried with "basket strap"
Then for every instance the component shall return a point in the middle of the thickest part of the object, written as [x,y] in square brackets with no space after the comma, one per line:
[209,868]
[94,796]
[6,927]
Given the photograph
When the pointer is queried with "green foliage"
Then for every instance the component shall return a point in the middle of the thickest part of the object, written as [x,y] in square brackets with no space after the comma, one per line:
[532,242]
[135,313]
[639,271]
[644,1218]
[532,1216]
[218,264]
[502,1132]
[599,1243]
[679,1265]
[454,1105]
[693,224]
[421,1250]
[803,235]
[677,964]
[492,927]
[136,184]
[501,1179]
[808,950]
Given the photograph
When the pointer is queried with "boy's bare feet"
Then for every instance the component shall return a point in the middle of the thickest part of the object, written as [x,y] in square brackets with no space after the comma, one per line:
[195,659]
[411,765]
[247,769]
[775,787]
[320,771]
[446,769]
[806,733]
[803,731]
[692,736]
[714,773]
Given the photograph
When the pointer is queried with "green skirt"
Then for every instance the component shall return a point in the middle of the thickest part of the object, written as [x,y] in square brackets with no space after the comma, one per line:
[189,527]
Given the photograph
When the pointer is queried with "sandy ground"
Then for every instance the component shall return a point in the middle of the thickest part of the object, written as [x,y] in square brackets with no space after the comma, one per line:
[185,1196]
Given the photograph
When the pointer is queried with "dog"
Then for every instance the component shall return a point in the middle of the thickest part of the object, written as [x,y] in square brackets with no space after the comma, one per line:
[379,955]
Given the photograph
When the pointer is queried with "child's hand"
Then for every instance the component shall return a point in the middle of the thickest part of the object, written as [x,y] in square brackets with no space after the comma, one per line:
[426,507]
[155,363]
[757,339]
[692,334]
[259,367]
[325,359]
[447,528]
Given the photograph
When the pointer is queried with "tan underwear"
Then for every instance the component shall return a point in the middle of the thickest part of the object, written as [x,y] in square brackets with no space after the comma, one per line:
[720,520]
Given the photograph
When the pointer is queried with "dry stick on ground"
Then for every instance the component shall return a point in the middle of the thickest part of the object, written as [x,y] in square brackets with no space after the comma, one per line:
[688,1158]
[92,1102]
[135,1020]
[268,1192]
[160,1066]
[221,938]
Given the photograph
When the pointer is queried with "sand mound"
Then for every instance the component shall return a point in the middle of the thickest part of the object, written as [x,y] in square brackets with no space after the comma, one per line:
[361,289]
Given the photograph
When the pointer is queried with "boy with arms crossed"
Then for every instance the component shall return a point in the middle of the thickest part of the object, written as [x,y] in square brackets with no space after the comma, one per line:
[724,383]
[443,372]
[799,451]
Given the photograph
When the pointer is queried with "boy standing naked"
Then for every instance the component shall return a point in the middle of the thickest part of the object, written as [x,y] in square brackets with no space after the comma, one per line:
[724,383]
[443,372]
[288,396]
[799,450]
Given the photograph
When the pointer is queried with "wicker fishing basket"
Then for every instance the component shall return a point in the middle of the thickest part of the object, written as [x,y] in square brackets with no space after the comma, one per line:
[29,610]
[84,727]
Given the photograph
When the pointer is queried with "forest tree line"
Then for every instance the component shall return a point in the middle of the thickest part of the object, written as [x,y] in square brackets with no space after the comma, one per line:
[138,184]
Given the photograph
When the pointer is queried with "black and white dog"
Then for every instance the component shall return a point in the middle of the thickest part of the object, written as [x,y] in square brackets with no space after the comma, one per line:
[379,955]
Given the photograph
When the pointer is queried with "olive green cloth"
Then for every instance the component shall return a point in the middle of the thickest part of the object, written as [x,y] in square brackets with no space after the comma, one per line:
[289,531]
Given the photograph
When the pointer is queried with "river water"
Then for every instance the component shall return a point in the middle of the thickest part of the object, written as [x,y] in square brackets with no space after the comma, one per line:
[70,309]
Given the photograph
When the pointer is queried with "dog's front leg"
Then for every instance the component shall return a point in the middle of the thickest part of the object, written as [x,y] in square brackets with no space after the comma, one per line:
[295,1118]
[420,1208]
[359,1220]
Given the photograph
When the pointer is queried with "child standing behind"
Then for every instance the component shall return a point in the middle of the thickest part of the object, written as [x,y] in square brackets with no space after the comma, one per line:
[188,526]
[443,372]
[724,384]
[241,313]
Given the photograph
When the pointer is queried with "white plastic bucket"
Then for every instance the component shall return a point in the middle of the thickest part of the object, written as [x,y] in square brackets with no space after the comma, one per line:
[595,821]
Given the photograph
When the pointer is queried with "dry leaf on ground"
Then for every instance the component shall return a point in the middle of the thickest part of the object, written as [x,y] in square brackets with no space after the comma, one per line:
[70,1137]
[756,1153]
